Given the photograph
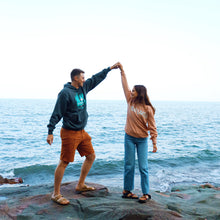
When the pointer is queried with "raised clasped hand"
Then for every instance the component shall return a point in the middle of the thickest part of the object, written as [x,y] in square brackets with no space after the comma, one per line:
[116,66]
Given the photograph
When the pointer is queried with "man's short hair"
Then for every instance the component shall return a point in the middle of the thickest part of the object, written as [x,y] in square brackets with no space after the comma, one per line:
[75,72]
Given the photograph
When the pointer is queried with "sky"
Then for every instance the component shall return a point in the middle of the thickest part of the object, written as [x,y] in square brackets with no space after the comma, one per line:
[170,46]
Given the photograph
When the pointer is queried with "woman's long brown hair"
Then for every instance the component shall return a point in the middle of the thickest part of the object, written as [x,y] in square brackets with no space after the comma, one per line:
[142,97]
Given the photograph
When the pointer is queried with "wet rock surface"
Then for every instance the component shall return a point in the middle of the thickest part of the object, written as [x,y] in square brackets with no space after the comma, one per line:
[33,202]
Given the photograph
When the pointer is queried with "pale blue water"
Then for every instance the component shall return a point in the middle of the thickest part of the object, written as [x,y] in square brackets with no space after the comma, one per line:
[188,143]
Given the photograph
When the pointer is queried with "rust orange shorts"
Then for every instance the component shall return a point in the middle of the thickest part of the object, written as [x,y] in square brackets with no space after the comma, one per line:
[75,140]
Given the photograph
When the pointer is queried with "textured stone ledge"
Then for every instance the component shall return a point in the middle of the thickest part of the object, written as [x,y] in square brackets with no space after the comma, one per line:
[34,203]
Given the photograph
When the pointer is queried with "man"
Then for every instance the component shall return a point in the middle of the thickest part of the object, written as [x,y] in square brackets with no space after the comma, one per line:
[71,106]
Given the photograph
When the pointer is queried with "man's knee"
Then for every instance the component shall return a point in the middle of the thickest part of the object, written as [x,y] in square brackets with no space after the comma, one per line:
[63,164]
[91,157]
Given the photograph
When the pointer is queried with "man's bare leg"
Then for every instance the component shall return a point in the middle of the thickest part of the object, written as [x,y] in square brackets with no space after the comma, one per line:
[84,172]
[58,176]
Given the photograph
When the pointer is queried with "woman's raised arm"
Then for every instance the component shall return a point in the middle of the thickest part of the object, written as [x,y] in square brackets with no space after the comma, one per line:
[125,86]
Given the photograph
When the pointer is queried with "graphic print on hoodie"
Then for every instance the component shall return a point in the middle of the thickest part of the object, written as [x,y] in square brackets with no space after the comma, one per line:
[80,101]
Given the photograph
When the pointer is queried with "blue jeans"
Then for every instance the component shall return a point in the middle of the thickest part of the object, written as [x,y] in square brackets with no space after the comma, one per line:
[141,144]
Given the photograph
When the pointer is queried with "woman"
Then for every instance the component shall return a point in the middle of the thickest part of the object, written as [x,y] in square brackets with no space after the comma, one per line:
[140,120]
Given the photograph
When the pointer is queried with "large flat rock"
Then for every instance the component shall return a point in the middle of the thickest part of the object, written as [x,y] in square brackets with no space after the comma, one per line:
[34,202]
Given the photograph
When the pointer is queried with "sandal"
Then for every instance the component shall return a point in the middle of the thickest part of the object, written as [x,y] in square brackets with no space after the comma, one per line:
[144,198]
[60,199]
[129,195]
[85,188]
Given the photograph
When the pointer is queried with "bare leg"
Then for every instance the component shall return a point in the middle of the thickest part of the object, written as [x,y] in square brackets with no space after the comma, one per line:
[85,170]
[58,176]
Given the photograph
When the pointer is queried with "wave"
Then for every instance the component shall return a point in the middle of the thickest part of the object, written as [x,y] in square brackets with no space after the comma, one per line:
[34,169]
[164,174]
[199,157]
[45,173]
[110,166]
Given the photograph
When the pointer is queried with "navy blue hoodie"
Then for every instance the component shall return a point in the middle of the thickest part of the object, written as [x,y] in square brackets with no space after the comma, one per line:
[71,104]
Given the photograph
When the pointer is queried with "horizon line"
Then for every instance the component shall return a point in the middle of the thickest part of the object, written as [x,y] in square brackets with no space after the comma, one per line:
[92,99]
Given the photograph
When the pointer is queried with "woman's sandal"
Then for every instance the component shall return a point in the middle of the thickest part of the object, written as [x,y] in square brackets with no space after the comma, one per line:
[129,195]
[60,199]
[144,198]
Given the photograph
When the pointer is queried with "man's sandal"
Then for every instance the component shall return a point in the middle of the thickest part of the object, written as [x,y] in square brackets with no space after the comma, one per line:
[144,198]
[85,188]
[129,195]
[60,199]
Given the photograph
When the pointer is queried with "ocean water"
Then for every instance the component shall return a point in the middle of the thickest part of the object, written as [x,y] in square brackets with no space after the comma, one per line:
[188,143]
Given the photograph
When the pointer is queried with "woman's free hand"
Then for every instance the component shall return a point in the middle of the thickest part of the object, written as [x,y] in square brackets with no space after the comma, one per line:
[154,148]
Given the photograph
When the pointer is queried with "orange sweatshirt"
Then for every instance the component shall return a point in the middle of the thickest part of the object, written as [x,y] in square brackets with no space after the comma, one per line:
[140,120]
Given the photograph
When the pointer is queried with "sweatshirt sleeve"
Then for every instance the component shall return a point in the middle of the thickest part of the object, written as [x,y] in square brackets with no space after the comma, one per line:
[58,112]
[152,126]
[92,82]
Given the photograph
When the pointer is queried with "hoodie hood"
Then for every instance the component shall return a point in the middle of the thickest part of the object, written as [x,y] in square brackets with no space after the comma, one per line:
[69,86]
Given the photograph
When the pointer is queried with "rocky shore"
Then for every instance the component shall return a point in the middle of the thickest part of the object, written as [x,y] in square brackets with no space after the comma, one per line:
[33,202]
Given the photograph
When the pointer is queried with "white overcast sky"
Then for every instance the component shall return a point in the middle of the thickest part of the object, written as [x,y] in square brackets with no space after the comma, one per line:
[170,46]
